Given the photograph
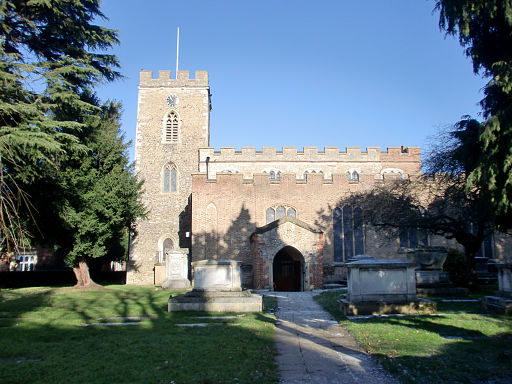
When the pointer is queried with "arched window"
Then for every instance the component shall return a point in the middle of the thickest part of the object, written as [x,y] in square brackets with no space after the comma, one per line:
[354,176]
[348,232]
[309,171]
[337,228]
[273,174]
[171,128]
[170,183]
[278,212]
[271,215]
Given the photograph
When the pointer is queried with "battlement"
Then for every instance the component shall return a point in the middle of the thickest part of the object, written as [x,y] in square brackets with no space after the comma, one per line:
[164,79]
[333,154]
[200,180]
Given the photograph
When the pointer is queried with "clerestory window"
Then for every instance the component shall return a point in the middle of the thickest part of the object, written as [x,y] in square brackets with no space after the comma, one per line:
[278,212]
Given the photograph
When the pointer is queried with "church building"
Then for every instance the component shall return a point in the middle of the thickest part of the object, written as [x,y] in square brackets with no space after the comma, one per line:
[275,210]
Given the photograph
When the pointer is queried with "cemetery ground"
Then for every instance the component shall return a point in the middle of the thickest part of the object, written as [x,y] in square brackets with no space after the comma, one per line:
[60,335]
[458,344]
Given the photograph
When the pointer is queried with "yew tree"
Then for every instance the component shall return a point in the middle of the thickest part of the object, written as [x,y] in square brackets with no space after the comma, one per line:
[484,29]
[95,196]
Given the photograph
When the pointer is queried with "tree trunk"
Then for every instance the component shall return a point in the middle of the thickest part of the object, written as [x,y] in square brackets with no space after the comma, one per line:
[83,278]
[471,273]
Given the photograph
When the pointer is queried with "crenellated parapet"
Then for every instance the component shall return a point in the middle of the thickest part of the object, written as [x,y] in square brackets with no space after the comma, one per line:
[200,180]
[311,154]
[164,79]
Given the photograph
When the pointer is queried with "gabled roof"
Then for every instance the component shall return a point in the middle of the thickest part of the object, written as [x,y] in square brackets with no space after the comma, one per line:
[283,220]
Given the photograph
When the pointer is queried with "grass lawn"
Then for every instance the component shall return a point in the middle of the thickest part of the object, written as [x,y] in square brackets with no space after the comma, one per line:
[43,340]
[458,345]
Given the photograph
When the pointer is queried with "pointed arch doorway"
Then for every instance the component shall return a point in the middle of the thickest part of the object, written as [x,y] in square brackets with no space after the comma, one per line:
[288,270]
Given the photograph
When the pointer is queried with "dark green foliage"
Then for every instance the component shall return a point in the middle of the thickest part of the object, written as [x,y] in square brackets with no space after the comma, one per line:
[484,28]
[100,195]
[64,159]
[456,266]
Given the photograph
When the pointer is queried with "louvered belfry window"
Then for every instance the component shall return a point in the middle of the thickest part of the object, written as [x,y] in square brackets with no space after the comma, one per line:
[171,128]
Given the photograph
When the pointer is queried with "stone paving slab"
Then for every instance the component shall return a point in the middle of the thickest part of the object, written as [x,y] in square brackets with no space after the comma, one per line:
[314,349]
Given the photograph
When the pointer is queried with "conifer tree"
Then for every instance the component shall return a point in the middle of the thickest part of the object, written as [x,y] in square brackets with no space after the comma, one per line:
[96,198]
[484,28]
[52,55]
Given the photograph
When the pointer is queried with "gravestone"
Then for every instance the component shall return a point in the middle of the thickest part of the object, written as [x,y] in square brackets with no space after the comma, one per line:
[217,288]
[377,286]
[431,280]
[502,302]
[176,269]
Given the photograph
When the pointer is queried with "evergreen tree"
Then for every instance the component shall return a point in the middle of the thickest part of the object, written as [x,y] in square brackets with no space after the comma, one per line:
[484,28]
[96,198]
[59,147]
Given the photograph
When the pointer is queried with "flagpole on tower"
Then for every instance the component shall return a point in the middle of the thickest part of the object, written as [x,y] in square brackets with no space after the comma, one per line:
[177,50]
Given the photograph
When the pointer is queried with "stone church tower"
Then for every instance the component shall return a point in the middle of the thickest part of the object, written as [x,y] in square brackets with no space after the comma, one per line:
[281,212]
[173,122]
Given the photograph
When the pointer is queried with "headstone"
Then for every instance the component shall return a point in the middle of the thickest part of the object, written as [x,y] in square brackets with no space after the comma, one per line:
[176,269]
[502,302]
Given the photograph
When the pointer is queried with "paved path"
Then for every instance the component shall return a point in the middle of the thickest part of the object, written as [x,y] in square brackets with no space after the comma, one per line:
[313,348]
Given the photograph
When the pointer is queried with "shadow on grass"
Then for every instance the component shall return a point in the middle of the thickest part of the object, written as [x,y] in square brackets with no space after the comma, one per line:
[44,329]
[487,359]
[450,347]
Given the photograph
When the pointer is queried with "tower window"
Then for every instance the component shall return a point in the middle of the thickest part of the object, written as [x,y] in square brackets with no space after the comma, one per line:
[171,127]
[170,178]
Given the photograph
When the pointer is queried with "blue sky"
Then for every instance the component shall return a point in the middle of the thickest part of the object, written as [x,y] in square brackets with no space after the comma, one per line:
[302,73]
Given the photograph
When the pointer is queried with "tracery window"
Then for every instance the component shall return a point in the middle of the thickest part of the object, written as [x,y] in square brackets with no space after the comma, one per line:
[170,178]
[171,128]
[278,212]
[348,232]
